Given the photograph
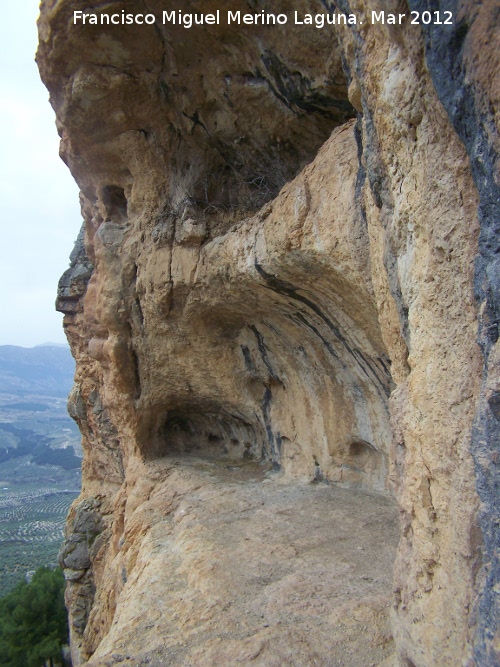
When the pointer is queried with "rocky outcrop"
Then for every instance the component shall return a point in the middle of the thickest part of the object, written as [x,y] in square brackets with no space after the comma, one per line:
[289,242]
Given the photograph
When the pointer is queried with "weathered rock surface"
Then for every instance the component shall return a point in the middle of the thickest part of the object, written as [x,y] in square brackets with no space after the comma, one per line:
[290,239]
[222,564]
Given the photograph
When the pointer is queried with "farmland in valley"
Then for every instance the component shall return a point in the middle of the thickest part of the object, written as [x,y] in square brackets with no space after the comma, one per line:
[39,458]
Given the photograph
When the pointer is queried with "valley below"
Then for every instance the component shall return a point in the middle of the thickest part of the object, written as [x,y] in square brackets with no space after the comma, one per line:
[40,456]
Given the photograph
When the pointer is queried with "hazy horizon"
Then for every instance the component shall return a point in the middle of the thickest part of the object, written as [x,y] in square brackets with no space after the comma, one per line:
[39,206]
[30,347]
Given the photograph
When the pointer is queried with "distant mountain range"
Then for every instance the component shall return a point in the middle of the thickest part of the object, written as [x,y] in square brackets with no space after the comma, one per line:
[52,345]
[46,369]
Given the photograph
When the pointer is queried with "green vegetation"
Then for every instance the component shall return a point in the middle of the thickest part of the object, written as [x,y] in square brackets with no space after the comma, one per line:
[38,446]
[39,478]
[33,621]
[32,519]
[65,457]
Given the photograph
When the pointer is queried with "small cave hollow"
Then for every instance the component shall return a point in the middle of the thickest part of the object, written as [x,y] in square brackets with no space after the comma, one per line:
[362,464]
[115,202]
[361,450]
[209,435]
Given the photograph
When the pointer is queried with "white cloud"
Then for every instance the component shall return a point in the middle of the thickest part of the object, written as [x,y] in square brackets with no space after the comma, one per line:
[39,207]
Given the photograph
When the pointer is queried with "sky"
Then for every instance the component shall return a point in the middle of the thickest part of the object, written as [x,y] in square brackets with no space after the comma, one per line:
[39,207]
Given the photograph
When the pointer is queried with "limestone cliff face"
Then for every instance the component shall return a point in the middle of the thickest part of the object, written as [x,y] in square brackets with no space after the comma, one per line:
[287,274]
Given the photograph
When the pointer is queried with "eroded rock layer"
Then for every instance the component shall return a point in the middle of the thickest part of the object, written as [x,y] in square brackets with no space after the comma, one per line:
[290,237]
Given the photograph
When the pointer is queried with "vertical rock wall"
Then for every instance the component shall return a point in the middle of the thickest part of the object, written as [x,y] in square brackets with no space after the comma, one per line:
[289,240]
[465,68]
